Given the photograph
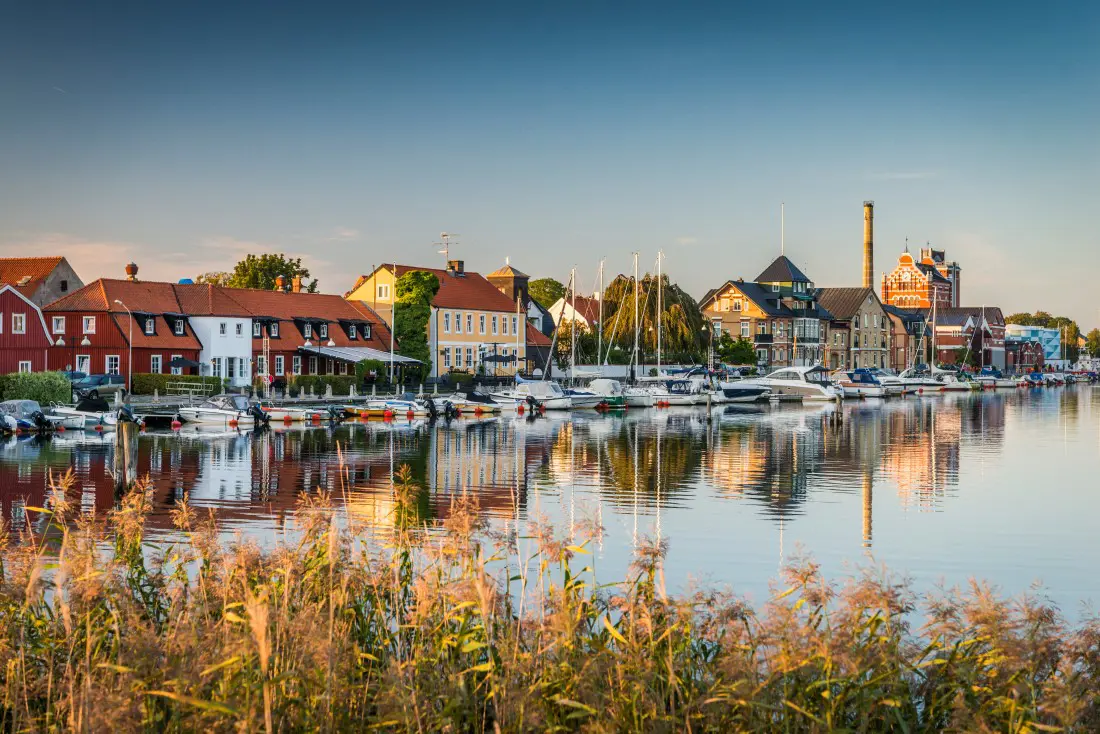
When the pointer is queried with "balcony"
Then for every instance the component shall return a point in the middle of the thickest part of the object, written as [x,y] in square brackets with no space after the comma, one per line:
[762,339]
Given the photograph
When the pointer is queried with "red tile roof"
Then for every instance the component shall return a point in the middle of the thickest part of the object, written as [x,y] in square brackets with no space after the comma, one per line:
[469,290]
[164,338]
[208,300]
[320,306]
[139,295]
[587,308]
[27,273]
[536,338]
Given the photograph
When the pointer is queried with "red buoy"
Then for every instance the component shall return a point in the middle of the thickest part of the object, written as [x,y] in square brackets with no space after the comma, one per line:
[176,425]
[519,409]
[61,429]
[477,410]
[98,427]
[287,419]
[233,423]
[316,417]
[387,413]
[410,415]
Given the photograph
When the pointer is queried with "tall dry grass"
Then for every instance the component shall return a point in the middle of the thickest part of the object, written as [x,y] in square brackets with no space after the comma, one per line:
[462,633]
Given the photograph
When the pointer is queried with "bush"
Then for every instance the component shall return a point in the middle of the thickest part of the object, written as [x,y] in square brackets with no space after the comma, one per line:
[43,387]
[145,384]
[341,384]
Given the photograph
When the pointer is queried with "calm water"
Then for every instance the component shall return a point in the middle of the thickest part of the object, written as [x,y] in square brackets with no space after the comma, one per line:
[1001,486]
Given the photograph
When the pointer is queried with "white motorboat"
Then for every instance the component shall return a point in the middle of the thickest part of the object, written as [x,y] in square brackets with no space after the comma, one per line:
[96,413]
[225,410]
[743,391]
[1053,378]
[474,403]
[956,381]
[287,414]
[678,392]
[919,382]
[638,397]
[858,383]
[890,382]
[544,394]
[406,406]
[610,393]
[991,378]
[27,416]
[808,383]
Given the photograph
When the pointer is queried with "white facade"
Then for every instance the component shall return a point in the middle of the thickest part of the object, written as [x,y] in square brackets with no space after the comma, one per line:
[225,338]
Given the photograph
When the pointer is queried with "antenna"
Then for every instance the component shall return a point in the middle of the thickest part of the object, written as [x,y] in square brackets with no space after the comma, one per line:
[782,228]
[445,241]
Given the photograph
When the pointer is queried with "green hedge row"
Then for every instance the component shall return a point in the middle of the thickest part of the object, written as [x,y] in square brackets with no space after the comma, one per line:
[341,384]
[45,387]
[145,384]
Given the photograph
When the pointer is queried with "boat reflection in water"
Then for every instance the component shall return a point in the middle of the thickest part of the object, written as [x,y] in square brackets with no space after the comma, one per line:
[715,483]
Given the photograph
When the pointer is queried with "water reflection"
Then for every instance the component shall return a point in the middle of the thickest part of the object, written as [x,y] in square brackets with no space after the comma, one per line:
[775,465]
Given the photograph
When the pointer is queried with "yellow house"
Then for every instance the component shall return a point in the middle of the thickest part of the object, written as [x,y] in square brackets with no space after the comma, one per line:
[472,326]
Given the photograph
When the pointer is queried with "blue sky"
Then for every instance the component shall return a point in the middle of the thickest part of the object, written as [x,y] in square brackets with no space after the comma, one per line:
[353,133]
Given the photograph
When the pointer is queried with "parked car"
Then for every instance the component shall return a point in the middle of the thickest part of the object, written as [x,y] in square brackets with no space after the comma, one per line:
[75,376]
[101,384]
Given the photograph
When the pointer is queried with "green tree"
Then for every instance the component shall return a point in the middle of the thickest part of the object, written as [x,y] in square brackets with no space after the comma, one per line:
[1022,319]
[683,328]
[415,291]
[735,351]
[221,278]
[1093,340]
[545,291]
[587,345]
[260,271]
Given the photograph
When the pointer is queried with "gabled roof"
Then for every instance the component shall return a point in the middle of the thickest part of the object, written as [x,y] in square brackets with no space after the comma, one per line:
[768,301]
[931,270]
[958,316]
[291,307]
[907,315]
[467,290]
[27,273]
[844,303]
[507,272]
[164,338]
[5,287]
[203,299]
[100,295]
[536,338]
[782,270]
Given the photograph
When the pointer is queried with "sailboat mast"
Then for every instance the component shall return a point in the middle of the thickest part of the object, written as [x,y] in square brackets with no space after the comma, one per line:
[660,308]
[634,360]
[599,348]
[393,318]
[573,325]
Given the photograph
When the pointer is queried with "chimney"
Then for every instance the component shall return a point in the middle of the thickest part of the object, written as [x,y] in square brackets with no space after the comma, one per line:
[280,283]
[868,244]
[456,267]
[131,272]
[296,284]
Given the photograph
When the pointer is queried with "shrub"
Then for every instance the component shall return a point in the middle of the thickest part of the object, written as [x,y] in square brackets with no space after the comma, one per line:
[44,387]
[341,384]
[145,384]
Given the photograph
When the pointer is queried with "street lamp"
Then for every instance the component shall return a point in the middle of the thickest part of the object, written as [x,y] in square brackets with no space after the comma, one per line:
[129,350]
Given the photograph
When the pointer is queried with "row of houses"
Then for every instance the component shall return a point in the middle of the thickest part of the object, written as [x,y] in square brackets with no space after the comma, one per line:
[52,321]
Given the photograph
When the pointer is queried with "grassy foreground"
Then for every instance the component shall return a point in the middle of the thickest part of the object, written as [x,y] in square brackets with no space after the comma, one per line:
[332,634]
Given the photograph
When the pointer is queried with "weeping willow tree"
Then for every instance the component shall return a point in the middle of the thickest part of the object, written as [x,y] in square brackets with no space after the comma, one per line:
[683,338]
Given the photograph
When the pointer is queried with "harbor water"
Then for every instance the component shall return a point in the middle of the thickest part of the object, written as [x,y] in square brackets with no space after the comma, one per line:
[998,486]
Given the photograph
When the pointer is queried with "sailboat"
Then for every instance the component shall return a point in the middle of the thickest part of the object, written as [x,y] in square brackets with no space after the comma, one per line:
[637,397]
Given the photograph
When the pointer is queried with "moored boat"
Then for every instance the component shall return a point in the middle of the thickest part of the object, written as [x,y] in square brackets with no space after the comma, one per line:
[226,410]
[807,383]
[858,383]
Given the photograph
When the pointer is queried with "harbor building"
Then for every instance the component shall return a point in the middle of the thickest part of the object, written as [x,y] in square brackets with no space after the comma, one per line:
[1049,339]
[859,332]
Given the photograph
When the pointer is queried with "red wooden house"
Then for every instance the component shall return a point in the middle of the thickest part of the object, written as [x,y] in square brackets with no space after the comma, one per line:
[24,340]
[92,331]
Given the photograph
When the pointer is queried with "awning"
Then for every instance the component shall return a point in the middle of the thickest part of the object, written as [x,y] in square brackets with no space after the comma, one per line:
[357,354]
[183,362]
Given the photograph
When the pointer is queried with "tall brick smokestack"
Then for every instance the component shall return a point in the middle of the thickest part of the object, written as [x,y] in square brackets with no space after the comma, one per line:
[868,244]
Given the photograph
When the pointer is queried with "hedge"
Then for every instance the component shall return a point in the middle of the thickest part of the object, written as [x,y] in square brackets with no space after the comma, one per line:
[44,387]
[145,384]
[341,384]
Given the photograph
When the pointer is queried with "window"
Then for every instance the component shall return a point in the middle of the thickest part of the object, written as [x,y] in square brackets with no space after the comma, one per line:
[64,286]
[515,325]
[447,357]
[724,304]
[504,325]
[745,329]
[761,327]
[150,326]
[446,322]
[343,368]
[175,370]
[312,365]
[261,365]
[223,329]
[331,371]
[296,364]
[240,329]
[89,324]
[111,364]
[19,323]
[775,287]
[322,331]
[24,366]
[307,330]
[494,324]
[481,324]
[154,364]
[469,323]
[59,324]
[178,327]
[458,323]
[216,366]
[366,331]
[256,327]
[230,367]
[737,305]
[273,330]
[279,360]
[383,291]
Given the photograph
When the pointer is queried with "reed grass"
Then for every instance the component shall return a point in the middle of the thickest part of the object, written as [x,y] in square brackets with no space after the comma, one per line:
[470,632]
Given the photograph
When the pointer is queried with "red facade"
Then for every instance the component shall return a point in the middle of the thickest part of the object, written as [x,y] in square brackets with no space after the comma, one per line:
[24,340]
[107,343]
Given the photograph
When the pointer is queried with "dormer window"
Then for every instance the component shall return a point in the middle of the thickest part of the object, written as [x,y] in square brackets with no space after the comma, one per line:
[307,330]
[273,330]
[257,329]
[351,331]
[178,327]
[322,330]
[149,326]
[775,287]
[366,331]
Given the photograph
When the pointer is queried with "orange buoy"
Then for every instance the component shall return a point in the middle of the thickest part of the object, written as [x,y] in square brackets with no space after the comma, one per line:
[176,425]
[98,427]
[61,429]
[287,419]
[387,413]
[410,415]
[519,409]
[233,423]
[477,410]
[316,417]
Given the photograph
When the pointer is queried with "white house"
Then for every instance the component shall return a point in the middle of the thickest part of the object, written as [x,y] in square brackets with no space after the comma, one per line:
[223,328]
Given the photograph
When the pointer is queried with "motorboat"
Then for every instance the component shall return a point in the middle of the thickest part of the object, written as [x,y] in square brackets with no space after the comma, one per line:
[473,402]
[27,416]
[226,410]
[858,383]
[95,411]
[638,397]
[536,394]
[807,382]
[991,378]
[957,381]
[743,391]
[608,392]
[1052,378]
[679,392]
[919,382]
[288,414]
[890,382]
[1030,379]
[582,398]
[405,405]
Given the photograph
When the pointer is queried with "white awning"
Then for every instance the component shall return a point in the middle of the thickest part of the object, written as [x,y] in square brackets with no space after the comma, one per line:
[357,354]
